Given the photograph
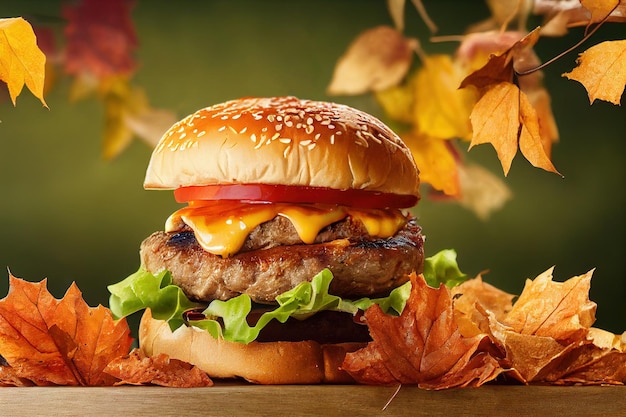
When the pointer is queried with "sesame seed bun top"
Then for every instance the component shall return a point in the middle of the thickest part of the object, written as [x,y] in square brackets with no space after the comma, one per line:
[285,141]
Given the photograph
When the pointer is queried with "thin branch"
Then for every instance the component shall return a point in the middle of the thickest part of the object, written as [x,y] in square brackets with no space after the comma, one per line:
[568,50]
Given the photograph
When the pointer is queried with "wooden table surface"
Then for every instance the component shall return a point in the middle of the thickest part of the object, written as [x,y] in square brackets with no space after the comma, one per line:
[351,400]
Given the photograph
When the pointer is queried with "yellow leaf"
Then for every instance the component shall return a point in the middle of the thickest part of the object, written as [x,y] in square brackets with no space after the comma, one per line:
[128,113]
[442,109]
[377,59]
[599,8]
[21,61]
[505,118]
[397,102]
[602,71]
[435,160]
[120,99]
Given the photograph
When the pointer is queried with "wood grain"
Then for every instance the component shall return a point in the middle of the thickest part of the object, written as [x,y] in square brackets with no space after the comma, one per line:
[248,400]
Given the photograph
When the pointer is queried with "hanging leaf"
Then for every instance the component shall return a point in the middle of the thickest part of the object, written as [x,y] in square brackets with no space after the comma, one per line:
[436,161]
[602,71]
[101,38]
[21,61]
[481,191]
[504,117]
[377,59]
[128,113]
[441,109]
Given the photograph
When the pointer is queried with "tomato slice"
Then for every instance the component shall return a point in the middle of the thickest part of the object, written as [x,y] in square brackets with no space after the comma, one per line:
[294,194]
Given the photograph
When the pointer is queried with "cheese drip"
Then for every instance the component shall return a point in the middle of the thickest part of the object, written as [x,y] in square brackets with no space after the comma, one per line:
[221,227]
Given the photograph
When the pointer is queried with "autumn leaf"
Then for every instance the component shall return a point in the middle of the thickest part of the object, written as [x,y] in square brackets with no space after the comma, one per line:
[436,161]
[504,117]
[474,291]
[422,346]
[62,342]
[377,59]
[128,113]
[599,9]
[21,61]
[547,337]
[441,109]
[138,369]
[602,71]
[101,38]
[555,309]
[481,191]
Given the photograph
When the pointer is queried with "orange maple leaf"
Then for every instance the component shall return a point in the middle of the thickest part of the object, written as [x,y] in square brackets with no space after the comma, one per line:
[21,61]
[422,346]
[62,342]
[602,71]
[504,117]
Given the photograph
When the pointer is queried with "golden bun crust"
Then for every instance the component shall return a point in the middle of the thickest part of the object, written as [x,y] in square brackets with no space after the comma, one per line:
[285,141]
[272,363]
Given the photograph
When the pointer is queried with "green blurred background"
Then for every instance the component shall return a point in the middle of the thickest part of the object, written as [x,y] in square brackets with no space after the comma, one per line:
[68,215]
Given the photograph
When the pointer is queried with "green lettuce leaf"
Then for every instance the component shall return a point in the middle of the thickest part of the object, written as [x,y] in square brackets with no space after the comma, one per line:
[227,319]
[442,268]
[143,290]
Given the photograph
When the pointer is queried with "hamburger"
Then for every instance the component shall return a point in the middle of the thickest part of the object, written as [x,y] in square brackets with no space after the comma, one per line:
[294,220]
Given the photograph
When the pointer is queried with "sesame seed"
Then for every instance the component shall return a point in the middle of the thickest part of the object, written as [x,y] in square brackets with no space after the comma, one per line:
[286,151]
[332,139]
[317,136]
[276,136]
[306,142]
[311,146]
[264,129]
[278,127]
[242,131]
[237,116]
[225,117]
[221,129]
[309,121]
[289,123]
[271,118]
[331,126]
[318,117]
[182,136]
[284,140]
[201,133]
[232,129]
[253,138]
[279,118]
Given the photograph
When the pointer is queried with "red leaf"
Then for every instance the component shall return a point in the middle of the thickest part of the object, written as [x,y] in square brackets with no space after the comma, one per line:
[100,38]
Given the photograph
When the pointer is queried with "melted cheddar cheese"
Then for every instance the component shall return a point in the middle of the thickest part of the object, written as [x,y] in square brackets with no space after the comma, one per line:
[222,227]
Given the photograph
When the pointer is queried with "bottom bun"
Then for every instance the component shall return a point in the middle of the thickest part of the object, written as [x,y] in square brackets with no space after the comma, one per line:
[306,362]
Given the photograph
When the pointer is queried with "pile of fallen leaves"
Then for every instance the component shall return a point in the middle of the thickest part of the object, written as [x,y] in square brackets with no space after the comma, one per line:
[467,336]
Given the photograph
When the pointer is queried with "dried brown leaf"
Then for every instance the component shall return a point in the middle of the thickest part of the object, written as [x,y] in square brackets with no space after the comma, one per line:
[62,342]
[139,369]
[422,346]
[560,310]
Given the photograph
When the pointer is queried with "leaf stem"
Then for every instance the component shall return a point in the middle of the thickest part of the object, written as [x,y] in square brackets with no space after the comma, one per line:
[568,50]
